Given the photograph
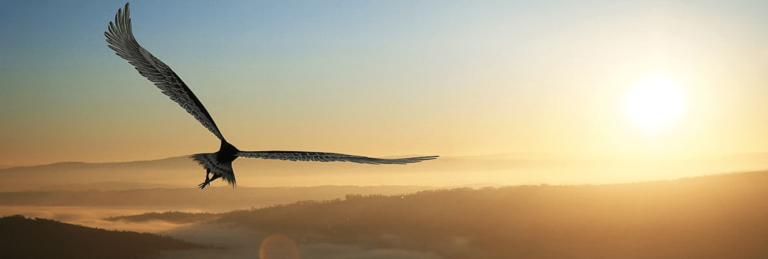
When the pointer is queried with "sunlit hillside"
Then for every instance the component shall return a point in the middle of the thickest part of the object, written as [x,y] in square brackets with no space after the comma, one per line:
[716,216]
[721,216]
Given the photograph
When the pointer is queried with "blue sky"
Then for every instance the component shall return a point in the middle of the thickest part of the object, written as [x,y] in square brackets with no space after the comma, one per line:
[381,77]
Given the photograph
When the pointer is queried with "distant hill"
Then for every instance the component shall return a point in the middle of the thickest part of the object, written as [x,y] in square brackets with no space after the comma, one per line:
[719,216]
[21,237]
[501,169]
[182,172]
[165,172]
[212,199]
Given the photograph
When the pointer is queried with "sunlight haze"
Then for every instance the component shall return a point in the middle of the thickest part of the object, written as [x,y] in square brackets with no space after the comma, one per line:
[654,103]
[389,78]
[361,129]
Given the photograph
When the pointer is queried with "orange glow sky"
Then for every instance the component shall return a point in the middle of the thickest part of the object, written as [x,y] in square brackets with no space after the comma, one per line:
[383,78]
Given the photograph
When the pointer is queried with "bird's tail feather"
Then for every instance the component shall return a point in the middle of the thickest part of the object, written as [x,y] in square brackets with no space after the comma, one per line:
[212,164]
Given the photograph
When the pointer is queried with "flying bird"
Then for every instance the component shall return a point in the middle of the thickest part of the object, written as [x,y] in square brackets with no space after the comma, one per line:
[219,164]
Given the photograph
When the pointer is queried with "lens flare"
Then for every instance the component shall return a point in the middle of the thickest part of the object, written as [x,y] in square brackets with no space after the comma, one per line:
[279,246]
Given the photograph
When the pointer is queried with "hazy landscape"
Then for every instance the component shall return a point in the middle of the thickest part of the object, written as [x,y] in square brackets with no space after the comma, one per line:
[463,171]
[384,129]
[714,216]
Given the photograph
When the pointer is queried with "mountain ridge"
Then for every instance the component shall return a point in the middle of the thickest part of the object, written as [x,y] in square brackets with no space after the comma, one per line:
[501,169]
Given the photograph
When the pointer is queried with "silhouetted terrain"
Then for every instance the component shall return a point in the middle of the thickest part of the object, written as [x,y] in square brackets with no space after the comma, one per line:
[21,237]
[721,216]
[216,199]
[182,172]
[492,170]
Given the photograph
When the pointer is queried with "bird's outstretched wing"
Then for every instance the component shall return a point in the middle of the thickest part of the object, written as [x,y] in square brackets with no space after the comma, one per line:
[121,40]
[328,157]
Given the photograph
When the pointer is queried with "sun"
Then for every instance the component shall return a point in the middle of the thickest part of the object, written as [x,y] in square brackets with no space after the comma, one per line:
[654,103]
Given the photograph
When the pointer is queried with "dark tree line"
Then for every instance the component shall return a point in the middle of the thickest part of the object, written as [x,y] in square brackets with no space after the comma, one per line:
[22,237]
[723,216]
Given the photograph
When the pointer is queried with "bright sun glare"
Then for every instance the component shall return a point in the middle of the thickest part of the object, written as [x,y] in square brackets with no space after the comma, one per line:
[654,103]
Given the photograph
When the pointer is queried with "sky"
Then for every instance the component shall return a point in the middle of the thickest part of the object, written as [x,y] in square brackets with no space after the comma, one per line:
[384,78]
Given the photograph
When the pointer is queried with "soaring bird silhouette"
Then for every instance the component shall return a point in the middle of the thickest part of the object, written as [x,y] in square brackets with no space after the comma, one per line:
[121,40]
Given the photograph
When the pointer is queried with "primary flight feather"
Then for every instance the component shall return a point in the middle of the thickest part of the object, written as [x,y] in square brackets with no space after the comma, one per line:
[219,164]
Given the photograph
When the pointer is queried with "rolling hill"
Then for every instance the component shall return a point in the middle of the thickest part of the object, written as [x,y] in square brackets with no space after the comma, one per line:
[22,237]
[719,216]
[490,170]
[216,199]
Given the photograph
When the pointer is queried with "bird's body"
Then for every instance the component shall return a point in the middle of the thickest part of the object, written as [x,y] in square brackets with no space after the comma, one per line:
[219,164]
